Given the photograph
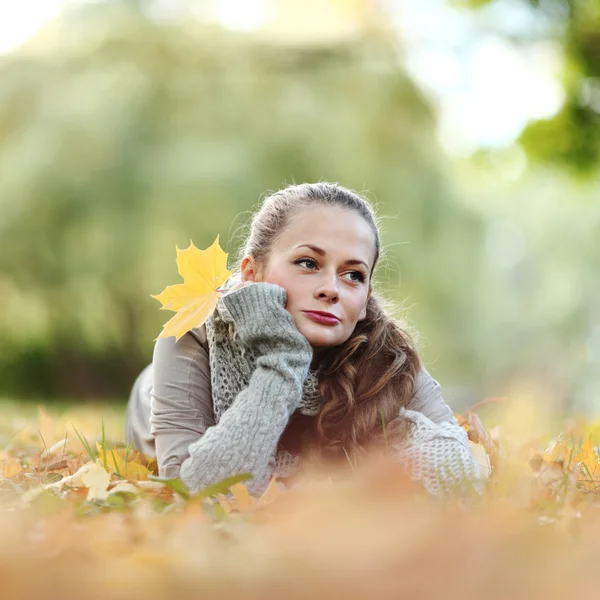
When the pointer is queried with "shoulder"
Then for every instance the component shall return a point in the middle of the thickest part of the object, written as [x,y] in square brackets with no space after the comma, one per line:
[198,334]
[427,399]
[190,350]
[188,341]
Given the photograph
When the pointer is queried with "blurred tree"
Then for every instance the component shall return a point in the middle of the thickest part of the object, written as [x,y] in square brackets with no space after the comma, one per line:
[122,136]
[572,137]
[560,266]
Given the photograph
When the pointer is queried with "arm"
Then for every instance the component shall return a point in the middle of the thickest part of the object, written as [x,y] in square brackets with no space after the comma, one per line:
[245,439]
[437,455]
[181,398]
[436,450]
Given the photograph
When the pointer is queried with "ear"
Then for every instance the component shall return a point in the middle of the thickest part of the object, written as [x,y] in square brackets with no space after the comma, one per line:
[363,312]
[248,268]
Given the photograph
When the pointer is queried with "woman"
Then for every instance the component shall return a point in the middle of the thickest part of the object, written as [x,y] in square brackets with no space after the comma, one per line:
[298,362]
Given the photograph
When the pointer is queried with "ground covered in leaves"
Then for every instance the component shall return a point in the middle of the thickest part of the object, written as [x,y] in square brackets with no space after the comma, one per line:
[81,515]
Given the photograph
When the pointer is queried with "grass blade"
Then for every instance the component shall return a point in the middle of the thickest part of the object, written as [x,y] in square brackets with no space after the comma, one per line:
[104,447]
[86,445]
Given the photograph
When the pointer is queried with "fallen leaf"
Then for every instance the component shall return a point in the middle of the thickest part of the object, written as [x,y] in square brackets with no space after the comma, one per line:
[272,492]
[11,468]
[60,465]
[115,461]
[92,476]
[242,500]
[483,445]
[482,458]
[194,300]
[557,452]
[124,487]
[60,445]
[588,461]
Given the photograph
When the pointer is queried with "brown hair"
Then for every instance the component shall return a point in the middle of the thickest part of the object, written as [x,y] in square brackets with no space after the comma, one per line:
[365,380]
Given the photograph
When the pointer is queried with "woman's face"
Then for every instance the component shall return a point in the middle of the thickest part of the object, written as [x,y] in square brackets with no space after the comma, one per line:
[323,261]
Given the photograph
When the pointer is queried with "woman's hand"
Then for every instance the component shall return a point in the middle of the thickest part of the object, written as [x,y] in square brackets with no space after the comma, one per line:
[237,286]
[241,284]
[261,318]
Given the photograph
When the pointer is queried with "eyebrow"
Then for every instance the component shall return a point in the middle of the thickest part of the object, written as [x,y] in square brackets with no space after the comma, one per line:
[321,252]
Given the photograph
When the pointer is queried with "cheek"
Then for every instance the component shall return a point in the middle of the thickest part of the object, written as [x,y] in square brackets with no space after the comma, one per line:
[285,280]
[293,288]
[357,304]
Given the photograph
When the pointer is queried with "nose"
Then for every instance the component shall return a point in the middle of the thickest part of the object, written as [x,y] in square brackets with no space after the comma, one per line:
[328,288]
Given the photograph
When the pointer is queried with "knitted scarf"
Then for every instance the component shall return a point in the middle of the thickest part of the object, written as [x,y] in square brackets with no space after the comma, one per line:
[232,364]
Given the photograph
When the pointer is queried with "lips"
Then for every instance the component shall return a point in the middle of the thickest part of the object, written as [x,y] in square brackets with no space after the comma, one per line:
[322,317]
[324,314]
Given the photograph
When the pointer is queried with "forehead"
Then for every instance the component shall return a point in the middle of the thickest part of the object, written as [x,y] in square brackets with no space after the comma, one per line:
[339,231]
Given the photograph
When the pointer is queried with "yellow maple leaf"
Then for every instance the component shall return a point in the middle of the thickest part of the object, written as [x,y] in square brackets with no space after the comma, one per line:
[588,458]
[115,462]
[194,300]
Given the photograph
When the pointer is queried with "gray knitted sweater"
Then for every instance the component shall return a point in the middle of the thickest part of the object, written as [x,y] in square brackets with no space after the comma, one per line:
[246,434]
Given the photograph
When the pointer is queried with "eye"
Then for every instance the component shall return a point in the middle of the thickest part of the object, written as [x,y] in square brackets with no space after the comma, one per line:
[311,265]
[359,276]
[309,261]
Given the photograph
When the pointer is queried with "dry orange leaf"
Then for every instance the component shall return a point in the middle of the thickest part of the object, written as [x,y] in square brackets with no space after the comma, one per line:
[271,493]
[243,500]
[194,300]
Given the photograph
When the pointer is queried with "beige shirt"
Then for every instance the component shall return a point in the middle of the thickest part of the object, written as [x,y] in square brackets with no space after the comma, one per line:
[170,405]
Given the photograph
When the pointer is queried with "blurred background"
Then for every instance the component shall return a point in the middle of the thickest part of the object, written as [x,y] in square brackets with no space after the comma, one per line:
[130,127]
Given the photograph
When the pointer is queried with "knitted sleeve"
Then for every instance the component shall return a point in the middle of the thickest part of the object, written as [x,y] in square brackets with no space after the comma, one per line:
[437,456]
[245,438]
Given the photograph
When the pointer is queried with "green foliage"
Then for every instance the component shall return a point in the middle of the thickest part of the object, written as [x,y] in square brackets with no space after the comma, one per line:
[129,137]
[571,138]
[175,484]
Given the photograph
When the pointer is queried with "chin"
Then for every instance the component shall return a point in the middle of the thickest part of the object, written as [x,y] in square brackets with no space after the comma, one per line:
[323,343]
[322,339]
